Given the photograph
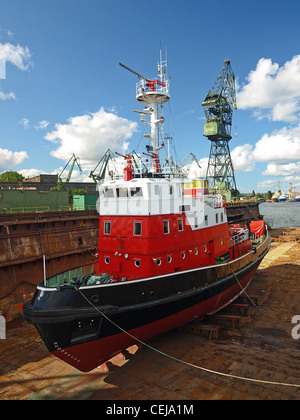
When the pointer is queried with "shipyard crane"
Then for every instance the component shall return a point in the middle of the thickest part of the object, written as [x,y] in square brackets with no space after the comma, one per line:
[103,165]
[60,179]
[291,194]
[218,107]
[190,158]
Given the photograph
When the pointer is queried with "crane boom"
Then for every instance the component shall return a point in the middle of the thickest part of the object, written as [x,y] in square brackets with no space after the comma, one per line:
[75,160]
[134,72]
[103,164]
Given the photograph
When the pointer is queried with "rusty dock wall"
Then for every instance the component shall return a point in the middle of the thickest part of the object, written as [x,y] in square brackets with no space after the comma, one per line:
[67,239]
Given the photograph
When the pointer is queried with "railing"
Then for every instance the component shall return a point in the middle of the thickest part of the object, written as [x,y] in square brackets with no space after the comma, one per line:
[28,209]
[144,87]
[241,235]
[41,209]
[214,201]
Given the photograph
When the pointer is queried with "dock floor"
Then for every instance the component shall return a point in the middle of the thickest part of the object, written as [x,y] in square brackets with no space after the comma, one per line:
[262,349]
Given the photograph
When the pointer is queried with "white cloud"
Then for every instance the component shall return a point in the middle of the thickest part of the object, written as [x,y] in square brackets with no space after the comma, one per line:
[5,96]
[89,136]
[286,170]
[16,55]
[242,158]
[30,173]
[10,159]
[270,184]
[25,122]
[272,91]
[41,125]
[282,146]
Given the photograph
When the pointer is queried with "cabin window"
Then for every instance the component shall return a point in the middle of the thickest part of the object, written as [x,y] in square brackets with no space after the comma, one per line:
[180,225]
[185,208]
[107,228]
[206,220]
[122,192]
[136,192]
[137,228]
[166,226]
[217,217]
[171,189]
[222,217]
[108,192]
[196,222]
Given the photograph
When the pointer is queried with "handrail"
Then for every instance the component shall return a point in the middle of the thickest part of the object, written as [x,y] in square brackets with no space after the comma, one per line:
[242,235]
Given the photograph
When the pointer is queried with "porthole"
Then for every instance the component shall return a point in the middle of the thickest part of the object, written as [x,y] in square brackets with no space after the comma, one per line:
[158,262]
[95,299]
[137,263]
[196,251]
[107,260]
[205,248]
[169,259]
[183,255]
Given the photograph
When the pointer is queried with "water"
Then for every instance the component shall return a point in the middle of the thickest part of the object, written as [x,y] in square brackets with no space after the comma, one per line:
[278,215]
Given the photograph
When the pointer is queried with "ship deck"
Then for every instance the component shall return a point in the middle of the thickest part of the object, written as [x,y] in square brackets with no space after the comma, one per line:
[262,348]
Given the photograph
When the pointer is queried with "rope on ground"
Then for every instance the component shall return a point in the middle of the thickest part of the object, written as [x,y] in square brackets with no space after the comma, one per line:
[278,321]
[260,381]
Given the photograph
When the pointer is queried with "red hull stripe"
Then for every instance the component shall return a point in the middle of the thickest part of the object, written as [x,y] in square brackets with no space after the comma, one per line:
[88,356]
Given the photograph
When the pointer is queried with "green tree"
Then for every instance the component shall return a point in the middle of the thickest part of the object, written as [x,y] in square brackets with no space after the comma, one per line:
[77,192]
[11,176]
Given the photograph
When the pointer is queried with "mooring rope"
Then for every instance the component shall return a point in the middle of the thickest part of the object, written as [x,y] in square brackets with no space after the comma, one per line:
[183,361]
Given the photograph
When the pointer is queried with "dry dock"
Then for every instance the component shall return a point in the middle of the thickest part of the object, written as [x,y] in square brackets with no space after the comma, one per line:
[262,348]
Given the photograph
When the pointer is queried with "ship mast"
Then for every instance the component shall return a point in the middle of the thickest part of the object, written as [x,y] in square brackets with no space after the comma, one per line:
[152,93]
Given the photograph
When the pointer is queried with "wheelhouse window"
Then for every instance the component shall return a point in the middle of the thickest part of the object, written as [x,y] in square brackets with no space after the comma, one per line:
[137,228]
[136,192]
[122,192]
[166,226]
[107,228]
[180,225]
[108,192]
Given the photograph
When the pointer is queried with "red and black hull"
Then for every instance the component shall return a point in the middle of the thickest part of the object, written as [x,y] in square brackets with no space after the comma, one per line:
[85,331]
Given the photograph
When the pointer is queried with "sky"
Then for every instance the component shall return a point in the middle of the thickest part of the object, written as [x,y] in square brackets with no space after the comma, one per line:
[62,90]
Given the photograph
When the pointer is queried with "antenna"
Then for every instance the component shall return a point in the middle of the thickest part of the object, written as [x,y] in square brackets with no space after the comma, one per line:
[134,72]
